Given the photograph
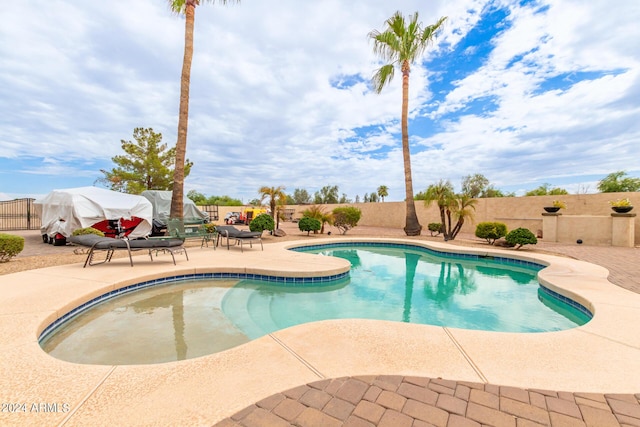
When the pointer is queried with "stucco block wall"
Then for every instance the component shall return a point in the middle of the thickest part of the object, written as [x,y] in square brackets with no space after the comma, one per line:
[513,211]
[591,229]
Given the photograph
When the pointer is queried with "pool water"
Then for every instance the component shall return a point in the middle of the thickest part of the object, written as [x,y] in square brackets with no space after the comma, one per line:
[407,285]
[194,318]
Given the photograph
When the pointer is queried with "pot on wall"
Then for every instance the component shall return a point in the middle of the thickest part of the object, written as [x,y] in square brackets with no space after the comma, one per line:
[551,209]
[621,209]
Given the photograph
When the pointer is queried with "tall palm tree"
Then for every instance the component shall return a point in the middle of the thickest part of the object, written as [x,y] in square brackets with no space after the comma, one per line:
[276,197]
[383,191]
[401,43]
[188,8]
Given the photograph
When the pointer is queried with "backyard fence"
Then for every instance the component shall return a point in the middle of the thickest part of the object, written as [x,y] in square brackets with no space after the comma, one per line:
[19,214]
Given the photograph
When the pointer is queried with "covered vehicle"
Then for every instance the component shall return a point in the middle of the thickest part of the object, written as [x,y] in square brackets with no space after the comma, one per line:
[115,214]
[161,202]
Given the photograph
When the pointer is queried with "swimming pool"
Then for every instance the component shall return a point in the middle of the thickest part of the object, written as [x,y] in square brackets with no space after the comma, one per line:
[386,282]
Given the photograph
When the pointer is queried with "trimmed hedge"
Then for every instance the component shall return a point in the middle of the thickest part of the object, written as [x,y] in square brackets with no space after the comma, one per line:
[435,227]
[491,231]
[10,246]
[520,237]
[309,224]
[262,222]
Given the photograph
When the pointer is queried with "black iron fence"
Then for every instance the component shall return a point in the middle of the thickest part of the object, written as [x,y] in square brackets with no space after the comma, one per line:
[19,214]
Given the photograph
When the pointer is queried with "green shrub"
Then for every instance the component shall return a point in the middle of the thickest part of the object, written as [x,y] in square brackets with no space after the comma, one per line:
[87,230]
[10,246]
[345,218]
[318,212]
[435,227]
[520,237]
[309,224]
[210,227]
[491,231]
[262,222]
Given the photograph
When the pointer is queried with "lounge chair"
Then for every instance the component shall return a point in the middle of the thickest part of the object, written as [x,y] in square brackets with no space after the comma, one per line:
[238,236]
[110,245]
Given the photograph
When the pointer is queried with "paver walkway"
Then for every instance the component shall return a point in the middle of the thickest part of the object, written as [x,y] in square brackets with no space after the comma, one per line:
[396,401]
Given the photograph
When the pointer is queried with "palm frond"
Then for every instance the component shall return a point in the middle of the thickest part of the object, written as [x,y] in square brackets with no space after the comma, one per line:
[382,77]
[179,6]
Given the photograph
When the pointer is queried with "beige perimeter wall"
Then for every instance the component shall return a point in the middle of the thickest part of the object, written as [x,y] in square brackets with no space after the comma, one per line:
[513,211]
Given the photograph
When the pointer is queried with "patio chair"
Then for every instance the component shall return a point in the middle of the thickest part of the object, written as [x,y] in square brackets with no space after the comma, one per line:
[110,245]
[230,232]
[179,229]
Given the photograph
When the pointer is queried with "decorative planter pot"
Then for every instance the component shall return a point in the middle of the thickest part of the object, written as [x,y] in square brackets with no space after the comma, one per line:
[621,209]
[551,209]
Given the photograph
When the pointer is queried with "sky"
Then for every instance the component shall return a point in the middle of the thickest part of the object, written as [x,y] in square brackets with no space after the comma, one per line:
[523,92]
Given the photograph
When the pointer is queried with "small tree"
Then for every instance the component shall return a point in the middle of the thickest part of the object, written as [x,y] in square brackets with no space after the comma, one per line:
[197,197]
[328,195]
[301,196]
[277,199]
[383,191]
[309,224]
[491,231]
[616,182]
[520,237]
[450,205]
[546,190]
[491,191]
[474,185]
[262,222]
[345,218]
[146,165]
[344,198]
[320,214]
[443,195]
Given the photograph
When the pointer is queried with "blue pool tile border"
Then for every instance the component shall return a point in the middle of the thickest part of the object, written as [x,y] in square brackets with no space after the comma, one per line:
[584,310]
[479,257]
[281,280]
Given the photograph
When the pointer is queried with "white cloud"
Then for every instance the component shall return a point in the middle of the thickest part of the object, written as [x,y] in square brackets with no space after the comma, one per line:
[77,77]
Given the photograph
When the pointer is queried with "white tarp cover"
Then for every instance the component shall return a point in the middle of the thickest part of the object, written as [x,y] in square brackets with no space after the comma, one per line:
[161,202]
[84,206]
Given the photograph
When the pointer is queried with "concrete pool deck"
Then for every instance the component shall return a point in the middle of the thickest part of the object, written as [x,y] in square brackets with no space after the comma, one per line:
[600,360]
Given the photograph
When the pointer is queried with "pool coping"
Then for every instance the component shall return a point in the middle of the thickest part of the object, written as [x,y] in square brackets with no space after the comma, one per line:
[600,356]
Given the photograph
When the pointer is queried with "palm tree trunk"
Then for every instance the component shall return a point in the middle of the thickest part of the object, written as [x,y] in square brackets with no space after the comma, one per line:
[183,117]
[444,223]
[412,226]
[457,228]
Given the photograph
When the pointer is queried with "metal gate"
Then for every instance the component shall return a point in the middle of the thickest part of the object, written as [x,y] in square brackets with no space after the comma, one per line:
[19,214]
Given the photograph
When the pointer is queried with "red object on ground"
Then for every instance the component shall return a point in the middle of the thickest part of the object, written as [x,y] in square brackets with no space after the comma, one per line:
[110,227]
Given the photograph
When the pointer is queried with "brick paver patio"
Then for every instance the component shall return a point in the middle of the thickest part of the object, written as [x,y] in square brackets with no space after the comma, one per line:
[397,401]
